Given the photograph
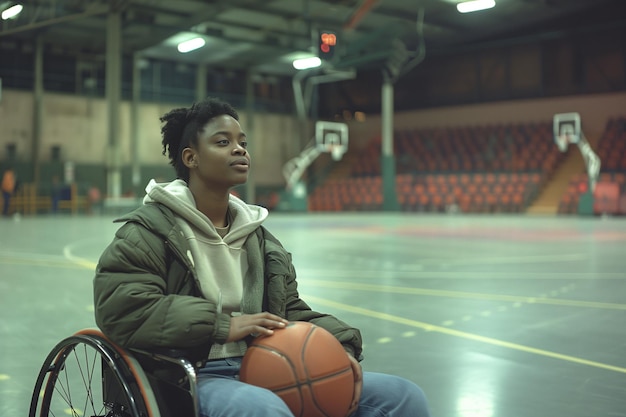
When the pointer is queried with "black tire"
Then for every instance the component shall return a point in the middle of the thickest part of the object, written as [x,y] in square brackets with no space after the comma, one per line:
[85,375]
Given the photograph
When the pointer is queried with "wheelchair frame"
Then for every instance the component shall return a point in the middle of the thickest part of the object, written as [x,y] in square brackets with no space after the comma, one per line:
[116,382]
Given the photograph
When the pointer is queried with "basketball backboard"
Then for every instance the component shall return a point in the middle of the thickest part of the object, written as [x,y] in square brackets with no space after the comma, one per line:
[332,137]
[567,129]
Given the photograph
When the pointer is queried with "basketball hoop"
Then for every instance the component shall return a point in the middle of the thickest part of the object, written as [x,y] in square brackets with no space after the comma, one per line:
[567,131]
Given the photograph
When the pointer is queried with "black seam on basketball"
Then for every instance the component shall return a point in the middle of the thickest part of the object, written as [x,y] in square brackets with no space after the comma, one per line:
[311,381]
[303,352]
[307,382]
[292,367]
[308,377]
[311,384]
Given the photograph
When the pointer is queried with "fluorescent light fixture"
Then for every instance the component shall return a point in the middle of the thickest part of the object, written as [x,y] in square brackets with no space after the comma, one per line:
[306,63]
[475,5]
[12,11]
[191,45]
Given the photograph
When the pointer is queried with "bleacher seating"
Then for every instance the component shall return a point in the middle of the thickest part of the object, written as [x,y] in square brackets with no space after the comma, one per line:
[473,170]
[612,146]
[609,195]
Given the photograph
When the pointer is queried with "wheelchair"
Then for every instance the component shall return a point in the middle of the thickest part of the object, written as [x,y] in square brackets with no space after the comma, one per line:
[88,375]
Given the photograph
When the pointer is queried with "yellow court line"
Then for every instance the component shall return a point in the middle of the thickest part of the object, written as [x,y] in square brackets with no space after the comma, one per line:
[428,327]
[86,263]
[418,272]
[462,294]
[42,263]
[464,335]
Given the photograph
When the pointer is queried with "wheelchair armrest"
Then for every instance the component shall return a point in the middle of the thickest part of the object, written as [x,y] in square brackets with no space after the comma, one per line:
[161,357]
[172,353]
[171,374]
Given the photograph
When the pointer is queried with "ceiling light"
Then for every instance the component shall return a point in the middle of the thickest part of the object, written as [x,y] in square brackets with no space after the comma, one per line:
[475,5]
[191,45]
[12,11]
[306,63]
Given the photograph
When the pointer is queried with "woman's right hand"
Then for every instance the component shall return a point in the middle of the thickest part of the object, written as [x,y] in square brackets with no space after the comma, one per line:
[260,324]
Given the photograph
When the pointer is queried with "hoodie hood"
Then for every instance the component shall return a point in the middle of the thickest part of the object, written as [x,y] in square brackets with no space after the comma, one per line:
[177,197]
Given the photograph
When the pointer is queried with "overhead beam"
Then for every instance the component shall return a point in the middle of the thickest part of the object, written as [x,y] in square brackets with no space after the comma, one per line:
[412,17]
[187,21]
[359,14]
[259,42]
[296,16]
[96,9]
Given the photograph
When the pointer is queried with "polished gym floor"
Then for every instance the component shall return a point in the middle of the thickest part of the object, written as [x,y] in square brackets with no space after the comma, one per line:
[493,316]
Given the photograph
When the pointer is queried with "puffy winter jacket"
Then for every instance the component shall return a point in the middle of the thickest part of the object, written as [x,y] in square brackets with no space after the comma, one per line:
[147,295]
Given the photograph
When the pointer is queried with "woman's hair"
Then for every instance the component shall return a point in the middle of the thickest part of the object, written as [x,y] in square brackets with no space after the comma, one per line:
[182,126]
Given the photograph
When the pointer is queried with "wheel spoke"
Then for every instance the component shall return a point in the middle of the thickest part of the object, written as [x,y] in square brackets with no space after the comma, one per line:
[84,377]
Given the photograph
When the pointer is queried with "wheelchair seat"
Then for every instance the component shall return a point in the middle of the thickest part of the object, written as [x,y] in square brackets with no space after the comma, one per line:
[86,374]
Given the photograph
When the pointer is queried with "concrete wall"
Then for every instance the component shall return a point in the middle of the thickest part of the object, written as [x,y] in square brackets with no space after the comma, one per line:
[594,111]
[79,126]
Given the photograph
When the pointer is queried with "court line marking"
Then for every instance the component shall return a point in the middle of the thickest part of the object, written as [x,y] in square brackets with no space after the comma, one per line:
[35,259]
[418,291]
[421,274]
[464,335]
[421,291]
[62,263]
[426,327]
[85,263]
[67,252]
[490,260]
[463,294]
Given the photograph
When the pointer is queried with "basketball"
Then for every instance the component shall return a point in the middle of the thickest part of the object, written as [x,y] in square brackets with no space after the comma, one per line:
[304,365]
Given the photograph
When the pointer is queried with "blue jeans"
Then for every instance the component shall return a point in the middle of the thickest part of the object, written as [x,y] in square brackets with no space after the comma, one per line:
[221,394]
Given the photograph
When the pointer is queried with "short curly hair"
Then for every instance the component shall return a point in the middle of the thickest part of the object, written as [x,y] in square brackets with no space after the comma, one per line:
[182,126]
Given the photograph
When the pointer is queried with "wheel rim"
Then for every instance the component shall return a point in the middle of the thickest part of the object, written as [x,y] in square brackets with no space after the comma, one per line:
[82,378]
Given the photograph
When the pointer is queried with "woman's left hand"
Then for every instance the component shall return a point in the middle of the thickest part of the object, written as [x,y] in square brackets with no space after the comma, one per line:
[358,384]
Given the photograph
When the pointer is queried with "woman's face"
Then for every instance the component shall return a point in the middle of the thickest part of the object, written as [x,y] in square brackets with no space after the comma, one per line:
[221,159]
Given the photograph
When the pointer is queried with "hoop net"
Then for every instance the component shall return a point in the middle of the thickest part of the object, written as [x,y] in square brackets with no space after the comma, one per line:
[565,139]
[562,141]
[336,151]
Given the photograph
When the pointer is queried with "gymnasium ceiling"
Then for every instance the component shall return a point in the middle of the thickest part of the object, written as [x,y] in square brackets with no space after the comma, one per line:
[264,34]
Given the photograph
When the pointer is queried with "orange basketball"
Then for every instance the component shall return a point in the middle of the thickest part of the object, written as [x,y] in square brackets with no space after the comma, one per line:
[304,365]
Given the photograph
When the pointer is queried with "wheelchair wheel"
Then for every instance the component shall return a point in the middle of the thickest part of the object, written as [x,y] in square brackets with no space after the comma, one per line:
[86,375]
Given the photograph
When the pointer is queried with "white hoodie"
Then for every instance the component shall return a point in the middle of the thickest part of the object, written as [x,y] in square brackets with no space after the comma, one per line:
[220,263]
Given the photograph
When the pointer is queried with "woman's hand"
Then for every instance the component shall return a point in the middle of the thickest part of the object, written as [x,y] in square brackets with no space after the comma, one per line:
[260,324]
[358,384]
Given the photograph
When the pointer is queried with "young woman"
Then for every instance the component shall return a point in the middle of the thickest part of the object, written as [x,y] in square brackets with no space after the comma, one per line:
[194,269]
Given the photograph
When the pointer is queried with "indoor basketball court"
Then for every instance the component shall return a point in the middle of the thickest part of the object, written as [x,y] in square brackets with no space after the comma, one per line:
[448,175]
[490,315]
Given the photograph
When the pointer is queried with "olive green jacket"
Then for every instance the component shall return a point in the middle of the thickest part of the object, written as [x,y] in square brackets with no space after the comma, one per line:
[147,296]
